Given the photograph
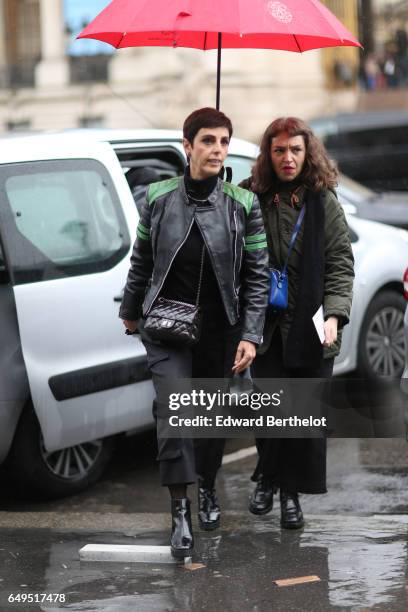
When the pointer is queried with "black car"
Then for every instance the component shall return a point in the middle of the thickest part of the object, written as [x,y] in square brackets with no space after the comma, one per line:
[371,148]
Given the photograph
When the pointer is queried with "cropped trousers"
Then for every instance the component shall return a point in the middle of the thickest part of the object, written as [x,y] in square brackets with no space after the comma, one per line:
[184,460]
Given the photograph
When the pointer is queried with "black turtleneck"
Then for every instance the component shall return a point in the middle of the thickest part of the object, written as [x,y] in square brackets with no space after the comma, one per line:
[182,280]
[199,189]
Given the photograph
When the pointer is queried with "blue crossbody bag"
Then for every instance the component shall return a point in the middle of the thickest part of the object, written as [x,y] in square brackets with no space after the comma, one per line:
[278,294]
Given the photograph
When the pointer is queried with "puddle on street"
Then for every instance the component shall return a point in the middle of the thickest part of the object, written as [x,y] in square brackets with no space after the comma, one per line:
[364,570]
[361,563]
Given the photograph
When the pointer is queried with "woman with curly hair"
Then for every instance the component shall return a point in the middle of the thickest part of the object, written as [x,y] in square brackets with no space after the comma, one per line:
[293,172]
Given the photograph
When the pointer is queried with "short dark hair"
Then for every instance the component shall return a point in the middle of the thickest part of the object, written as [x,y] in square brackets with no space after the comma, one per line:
[205,118]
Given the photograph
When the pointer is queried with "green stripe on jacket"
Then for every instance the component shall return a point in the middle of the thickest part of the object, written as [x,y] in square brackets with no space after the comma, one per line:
[141,235]
[255,246]
[143,229]
[255,238]
[244,197]
[156,190]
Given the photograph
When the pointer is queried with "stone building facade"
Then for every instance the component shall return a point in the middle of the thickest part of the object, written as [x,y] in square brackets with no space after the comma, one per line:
[42,88]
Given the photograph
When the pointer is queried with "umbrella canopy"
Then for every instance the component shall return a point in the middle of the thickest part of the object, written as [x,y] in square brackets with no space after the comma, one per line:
[293,25]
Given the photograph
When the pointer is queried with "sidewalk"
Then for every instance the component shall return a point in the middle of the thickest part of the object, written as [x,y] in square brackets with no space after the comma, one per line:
[354,542]
[361,563]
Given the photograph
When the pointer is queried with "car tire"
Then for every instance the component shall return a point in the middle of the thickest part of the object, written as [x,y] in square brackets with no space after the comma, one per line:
[39,474]
[381,343]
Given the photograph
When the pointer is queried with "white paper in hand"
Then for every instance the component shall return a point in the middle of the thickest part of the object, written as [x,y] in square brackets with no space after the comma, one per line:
[318,320]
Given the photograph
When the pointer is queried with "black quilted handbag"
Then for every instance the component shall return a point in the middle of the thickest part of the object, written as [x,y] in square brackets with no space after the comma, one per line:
[174,321]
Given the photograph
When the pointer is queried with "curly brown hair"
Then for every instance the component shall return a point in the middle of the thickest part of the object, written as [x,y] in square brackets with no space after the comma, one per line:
[318,172]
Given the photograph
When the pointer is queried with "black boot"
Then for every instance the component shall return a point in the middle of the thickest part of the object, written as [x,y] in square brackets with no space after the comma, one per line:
[181,539]
[261,500]
[208,509]
[291,512]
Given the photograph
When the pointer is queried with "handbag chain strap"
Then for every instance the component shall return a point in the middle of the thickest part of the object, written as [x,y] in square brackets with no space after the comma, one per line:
[294,236]
[201,276]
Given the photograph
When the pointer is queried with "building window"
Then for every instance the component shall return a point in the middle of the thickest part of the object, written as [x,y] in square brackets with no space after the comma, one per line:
[91,122]
[18,126]
[89,68]
[22,41]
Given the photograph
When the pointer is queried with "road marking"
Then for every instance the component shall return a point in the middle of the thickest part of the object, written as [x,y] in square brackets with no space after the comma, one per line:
[238,455]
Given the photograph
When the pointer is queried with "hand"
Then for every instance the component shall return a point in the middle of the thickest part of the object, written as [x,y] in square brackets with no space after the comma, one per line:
[330,331]
[130,325]
[245,355]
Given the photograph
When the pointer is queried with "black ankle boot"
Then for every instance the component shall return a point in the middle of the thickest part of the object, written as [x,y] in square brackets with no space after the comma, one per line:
[208,509]
[291,512]
[261,500]
[181,539]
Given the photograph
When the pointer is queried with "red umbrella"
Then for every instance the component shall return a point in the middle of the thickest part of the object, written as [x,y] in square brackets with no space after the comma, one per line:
[293,25]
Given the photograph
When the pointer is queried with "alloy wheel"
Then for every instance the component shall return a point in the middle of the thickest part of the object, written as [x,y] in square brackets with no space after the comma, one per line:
[385,343]
[74,462]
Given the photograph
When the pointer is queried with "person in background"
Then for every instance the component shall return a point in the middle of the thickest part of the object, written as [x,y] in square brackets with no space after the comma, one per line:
[293,171]
[371,72]
[196,230]
[138,180]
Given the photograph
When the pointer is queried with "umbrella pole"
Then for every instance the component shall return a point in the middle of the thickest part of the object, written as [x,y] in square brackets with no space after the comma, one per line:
[219,70]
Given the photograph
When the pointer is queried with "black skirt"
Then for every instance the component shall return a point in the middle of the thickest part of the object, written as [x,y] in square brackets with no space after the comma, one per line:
[293,464]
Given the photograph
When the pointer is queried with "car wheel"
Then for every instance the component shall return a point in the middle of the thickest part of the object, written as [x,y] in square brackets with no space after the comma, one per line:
[381,349]
[39,473]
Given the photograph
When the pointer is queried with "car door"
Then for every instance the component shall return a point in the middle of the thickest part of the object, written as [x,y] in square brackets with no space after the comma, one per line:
[64,221]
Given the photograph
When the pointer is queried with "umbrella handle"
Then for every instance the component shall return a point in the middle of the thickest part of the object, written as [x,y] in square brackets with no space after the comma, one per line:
[217,104]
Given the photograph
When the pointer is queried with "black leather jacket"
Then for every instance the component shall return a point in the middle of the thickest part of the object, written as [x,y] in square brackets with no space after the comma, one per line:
[234,235]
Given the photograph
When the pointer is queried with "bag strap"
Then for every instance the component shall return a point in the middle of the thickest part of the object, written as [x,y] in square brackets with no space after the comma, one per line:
[228,171]
[294,236]
[201,276]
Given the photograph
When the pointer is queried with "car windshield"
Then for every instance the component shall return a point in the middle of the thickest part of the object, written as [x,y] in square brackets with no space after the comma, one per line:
[354,192]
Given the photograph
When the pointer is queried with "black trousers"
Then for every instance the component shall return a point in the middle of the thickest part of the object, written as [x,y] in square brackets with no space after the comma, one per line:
[293,464]
[183,460]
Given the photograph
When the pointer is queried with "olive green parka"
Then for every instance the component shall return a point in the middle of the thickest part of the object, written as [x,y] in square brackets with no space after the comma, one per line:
[280,212]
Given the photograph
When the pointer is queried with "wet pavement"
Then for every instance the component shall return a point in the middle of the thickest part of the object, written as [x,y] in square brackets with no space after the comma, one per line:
[355,541]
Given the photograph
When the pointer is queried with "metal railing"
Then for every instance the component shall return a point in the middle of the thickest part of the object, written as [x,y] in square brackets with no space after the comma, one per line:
[19,74]
[89,68]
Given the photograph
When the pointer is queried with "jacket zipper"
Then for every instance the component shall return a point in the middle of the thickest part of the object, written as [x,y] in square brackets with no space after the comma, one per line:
[158,229]
[235,260]
[168,269]
[235,250]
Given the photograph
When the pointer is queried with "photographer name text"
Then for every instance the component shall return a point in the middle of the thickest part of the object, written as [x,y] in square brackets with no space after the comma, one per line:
[260,421]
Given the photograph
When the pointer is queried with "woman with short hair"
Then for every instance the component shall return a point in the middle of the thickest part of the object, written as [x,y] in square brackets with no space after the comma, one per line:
[200,240]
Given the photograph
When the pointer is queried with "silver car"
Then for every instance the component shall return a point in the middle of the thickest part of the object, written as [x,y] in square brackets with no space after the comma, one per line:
[373,342]
[389,207]
[70,380]
[404,379]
